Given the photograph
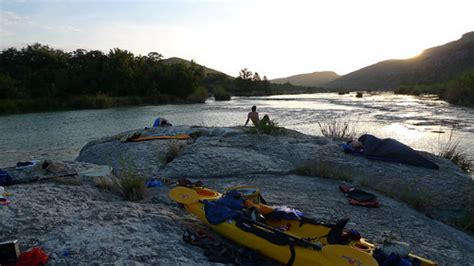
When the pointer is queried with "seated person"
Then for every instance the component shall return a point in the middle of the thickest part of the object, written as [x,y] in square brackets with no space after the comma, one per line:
[161,121]
[253,115]
[387,150]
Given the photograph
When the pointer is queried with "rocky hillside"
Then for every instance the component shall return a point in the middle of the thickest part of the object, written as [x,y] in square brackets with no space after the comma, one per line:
[177,60]
[434,65]
[315,79]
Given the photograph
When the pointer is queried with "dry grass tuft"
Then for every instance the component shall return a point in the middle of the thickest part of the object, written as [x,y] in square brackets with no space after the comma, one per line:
[174,149]
[338,129]
[450,150]
[132,188]
[105,183]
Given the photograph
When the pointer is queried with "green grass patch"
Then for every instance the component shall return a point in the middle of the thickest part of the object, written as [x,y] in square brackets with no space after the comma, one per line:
[267,126]
[323,170]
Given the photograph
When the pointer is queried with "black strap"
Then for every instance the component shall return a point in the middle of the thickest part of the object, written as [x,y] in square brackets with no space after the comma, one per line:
[262,200]
[183,182]
[271,234]
[293,254]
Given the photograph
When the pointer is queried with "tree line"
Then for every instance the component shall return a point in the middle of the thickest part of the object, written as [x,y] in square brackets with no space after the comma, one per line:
[458,90]
[40,71]
[40,78]
[248,83]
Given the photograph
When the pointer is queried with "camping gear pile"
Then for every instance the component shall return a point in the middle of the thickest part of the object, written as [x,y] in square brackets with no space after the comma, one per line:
[283,234]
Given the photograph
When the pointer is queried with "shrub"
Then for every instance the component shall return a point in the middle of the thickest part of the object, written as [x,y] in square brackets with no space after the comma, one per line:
[270,127]
[266,126]
[132,188]
[460,90]
[450,150]
[101,100]
[128,184]
[8,107]
[221,94]
[338,129]
[198,96]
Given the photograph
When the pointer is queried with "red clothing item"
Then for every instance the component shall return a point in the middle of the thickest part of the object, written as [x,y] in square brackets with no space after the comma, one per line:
[32,257]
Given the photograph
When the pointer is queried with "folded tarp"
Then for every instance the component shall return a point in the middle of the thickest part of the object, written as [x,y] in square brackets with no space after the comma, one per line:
[393,151]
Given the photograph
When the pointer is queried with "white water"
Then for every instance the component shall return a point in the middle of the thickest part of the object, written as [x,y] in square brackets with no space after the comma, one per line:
[414,121]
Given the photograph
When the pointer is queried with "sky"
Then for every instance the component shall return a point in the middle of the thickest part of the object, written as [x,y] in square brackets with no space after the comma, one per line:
[274,38]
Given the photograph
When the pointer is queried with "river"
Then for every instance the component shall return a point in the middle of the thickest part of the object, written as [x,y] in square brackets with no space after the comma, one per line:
[423,123]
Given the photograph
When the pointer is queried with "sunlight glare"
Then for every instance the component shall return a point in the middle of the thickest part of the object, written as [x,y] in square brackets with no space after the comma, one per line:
[405,134]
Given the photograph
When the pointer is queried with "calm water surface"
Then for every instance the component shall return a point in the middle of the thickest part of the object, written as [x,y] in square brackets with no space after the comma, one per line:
[418,122]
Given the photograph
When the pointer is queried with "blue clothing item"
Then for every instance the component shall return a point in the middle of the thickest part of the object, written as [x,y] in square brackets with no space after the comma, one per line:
[347,148]
[217,213]
[153,183]
[396,260]
[157,122]
[232,200]
[5,178]
[225,208]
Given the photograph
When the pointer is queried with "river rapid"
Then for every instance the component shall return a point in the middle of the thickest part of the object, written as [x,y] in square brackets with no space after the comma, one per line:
[423,123]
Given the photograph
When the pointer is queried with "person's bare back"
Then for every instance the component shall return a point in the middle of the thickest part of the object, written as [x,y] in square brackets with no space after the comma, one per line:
[253,116]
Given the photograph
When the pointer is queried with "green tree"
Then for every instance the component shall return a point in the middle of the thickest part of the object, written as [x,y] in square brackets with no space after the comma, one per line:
[245,74]
[256,77]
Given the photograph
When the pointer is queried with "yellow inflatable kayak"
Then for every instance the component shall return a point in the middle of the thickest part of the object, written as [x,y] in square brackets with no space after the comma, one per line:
[288,241]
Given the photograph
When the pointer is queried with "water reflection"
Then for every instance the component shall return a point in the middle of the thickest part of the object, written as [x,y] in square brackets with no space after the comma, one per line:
[419,122]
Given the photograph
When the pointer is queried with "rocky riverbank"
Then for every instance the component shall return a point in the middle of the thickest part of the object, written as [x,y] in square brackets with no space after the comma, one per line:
[76,222]
[446,194]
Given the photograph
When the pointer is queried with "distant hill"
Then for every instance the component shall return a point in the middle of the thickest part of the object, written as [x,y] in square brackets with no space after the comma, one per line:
[177,60]
[437,64]
[315,79]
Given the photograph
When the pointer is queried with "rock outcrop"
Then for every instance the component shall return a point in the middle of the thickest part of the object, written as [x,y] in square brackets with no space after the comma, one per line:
[444,194]
[78,220]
